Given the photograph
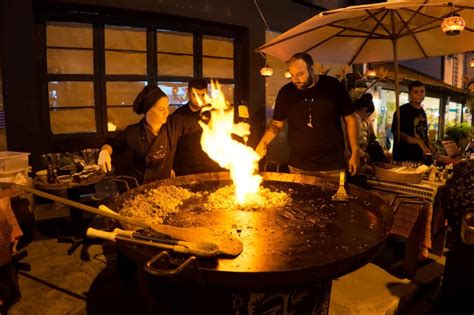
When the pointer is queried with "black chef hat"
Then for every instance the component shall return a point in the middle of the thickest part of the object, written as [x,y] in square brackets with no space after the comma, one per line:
[147,98]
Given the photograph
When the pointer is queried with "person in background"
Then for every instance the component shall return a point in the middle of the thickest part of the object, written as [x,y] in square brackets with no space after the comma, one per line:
[152,142]
[371,150]
[10,233]
[414,143]
[313,106]
[190,158]
[364,107]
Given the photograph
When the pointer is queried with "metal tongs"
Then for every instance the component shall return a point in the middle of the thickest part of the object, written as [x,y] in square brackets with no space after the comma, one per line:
[341,194]
[199,249]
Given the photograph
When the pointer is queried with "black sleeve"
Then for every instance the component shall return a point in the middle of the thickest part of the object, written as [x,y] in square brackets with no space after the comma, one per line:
[279,113]
[344,100]
[394,123]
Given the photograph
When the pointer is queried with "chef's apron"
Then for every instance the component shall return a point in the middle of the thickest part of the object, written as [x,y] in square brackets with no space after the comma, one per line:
[156,159]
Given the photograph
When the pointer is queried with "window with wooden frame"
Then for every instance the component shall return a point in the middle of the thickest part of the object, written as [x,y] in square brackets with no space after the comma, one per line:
[70,66]
[95,71]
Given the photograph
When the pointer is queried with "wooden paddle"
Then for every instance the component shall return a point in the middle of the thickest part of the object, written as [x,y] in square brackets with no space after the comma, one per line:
[226,244]
[200,249]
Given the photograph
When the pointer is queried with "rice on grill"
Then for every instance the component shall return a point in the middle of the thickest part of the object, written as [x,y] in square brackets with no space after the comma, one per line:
[156,204]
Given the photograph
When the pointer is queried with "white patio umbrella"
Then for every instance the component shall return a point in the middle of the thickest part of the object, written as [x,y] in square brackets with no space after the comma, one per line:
[390,31]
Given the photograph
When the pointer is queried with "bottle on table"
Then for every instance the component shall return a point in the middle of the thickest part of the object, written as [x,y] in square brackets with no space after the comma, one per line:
[51,172]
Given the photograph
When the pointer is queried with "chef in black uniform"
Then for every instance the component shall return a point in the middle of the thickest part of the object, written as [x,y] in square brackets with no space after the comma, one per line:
[152,141]
[190,157]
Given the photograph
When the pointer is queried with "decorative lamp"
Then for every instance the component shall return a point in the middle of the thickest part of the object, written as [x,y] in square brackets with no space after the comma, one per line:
[371,74]
[266,71]
[471,63]
[453,24]
[287,74]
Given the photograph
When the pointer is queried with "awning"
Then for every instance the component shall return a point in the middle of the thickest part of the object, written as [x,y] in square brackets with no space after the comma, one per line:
[407,75]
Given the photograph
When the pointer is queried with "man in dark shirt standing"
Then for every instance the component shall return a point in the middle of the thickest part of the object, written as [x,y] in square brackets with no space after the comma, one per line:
[313,106]
[190,158]
[414,143]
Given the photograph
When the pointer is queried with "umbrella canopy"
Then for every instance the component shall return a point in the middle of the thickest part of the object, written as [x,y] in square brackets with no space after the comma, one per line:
[390,31]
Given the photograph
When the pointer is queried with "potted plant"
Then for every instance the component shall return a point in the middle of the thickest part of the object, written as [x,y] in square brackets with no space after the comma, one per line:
[460,133]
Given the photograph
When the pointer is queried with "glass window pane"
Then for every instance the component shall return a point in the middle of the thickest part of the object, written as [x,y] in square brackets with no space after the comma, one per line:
[228,91]
[467,117]
[70,61]
[123,93]
[174,42]
[72,120]
[453,114]
[217,46]
[431,107]
[175,65]
[125,63]
[176,92]
[74,35]
[125,38]
[68,93]
[218,68]
[118,118]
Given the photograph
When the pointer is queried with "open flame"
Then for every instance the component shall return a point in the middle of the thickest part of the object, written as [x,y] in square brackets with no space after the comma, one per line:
[217,142]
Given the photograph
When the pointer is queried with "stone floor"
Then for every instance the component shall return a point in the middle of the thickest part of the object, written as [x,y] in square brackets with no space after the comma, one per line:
[58,283]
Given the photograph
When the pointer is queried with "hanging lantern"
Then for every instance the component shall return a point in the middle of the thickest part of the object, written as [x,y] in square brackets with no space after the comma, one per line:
[371,74]
[453,25]
[266,71]
[287,74]
[471,63]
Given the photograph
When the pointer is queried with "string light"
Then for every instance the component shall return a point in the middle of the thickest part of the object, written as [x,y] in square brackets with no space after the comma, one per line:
[266,71]
[287,74]
[371,73]
[453,24]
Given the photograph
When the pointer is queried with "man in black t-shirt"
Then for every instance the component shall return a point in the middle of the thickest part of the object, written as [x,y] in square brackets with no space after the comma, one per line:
[414,143]
[190,158]
[313,106]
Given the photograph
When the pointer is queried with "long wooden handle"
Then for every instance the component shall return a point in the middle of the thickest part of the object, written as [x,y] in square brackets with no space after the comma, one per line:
[108,214]
[113,236]
[227,244]
[94,233]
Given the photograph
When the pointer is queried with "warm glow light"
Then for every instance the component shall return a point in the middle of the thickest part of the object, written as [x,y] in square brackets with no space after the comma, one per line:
[371,73]
[217,142]
[471,63]
[287,74]
[111,126]
[453,25]
[266,71]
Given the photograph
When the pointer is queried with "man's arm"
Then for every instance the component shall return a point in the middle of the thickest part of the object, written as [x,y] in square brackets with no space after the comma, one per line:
[352,130]
[272,131]
[413,140]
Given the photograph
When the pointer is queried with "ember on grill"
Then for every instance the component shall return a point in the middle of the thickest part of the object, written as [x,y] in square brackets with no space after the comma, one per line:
[157,204]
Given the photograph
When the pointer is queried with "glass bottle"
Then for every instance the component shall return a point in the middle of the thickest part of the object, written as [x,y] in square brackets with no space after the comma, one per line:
[51,172]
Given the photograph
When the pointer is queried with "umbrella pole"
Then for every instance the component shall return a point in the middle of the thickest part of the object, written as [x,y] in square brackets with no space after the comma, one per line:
[397,98]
